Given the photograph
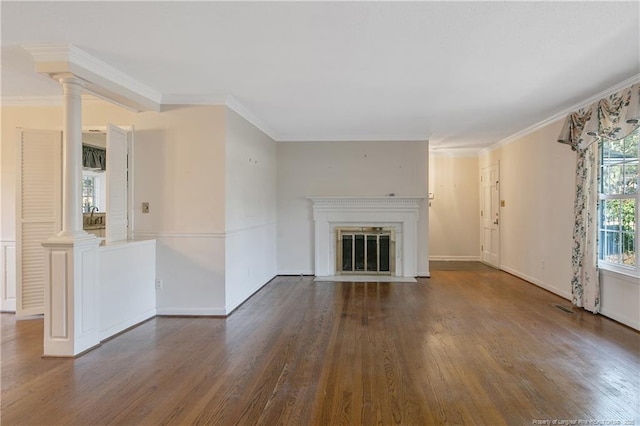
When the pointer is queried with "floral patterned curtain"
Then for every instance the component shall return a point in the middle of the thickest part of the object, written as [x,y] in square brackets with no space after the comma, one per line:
[614,117]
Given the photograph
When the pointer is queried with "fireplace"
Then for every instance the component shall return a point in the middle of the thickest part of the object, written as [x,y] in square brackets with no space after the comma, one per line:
[365,251]
[396,215]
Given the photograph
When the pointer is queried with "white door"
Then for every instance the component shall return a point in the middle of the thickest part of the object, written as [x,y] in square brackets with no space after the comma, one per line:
[38,212]
[116,212]
[490,212]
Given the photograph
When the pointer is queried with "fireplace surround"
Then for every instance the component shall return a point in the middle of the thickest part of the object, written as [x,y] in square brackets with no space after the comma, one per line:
[398,214]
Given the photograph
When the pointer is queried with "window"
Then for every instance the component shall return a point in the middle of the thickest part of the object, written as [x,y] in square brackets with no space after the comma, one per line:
[618,207]
[93,191]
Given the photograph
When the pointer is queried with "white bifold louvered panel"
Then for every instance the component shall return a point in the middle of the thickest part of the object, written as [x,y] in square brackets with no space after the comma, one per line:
[116,226]
[39,213]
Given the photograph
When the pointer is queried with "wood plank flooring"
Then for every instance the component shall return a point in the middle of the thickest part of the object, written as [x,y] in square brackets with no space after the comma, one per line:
[463,347]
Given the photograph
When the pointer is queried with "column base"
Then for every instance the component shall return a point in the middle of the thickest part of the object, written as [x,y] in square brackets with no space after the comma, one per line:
[71,291]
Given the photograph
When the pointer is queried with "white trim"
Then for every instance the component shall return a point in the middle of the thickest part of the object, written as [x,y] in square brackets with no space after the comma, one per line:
[354,138]
[455,152]
[365,279]
[132,322]
[398,213]
[181,99]
[552,289]
[31,101]
[219,99]
[245,113]
[7,276]
[192,311]
[455,258]
[163,234]
[631,322]
[72,54]
[231,232]
[355,202]
[562,114]
[100,79]
[633,279]
[118,245]
[620,270]
[296,272]
[151,234]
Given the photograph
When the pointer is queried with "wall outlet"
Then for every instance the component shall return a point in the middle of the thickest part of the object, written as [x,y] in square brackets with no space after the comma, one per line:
[158,284]
[145,207]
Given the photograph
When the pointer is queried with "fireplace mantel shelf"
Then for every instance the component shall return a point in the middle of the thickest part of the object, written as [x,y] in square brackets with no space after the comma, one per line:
[369,201]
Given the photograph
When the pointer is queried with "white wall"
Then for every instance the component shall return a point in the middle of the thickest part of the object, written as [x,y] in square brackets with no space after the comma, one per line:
[180,171]
[537,184]
[454,214]
[250,209]
[537,181]
[342,169]
[127,293]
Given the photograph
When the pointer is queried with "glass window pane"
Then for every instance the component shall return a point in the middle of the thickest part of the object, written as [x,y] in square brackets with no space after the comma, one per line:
[347,245]
[372,253]
[611,247]
[359,255]
[614,179]
[628,214]
[630,179]
[631,146]
[628,252]
[611,214]
[384,253]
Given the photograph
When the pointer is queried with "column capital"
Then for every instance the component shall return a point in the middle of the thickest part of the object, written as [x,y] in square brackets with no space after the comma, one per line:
[67,79]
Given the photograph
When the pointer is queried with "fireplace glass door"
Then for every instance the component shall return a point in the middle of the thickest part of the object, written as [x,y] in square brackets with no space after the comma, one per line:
[364,251]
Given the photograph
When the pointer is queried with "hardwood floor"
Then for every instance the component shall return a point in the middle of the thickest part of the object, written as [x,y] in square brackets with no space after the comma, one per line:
[463,347]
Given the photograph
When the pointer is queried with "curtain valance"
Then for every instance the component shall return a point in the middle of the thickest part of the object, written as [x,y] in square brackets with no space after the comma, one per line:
[94,158]
[614,117]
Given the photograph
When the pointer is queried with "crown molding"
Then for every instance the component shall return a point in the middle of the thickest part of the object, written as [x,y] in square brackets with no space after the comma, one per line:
[218,99]
[179,99]
[102,79]
[245,113]
[562,114]
[455,152]
[355,138]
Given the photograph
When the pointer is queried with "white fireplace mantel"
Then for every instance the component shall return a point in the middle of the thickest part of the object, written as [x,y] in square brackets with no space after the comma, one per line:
[398,213]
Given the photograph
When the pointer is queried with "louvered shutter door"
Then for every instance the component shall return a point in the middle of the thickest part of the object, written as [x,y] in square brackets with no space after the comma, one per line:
[116,226]
[39,208]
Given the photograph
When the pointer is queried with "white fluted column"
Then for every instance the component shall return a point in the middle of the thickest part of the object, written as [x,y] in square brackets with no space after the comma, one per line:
[72,156]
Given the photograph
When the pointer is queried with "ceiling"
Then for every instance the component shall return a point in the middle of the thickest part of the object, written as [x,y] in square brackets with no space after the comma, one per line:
[463,74]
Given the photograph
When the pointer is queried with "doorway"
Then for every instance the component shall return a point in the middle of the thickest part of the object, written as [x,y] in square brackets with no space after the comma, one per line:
[490,214]
[39,204]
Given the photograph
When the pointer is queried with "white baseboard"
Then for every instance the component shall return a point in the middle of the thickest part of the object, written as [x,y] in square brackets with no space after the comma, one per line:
[296,272]
[552,289]
[111,331]
[631,322]
[456,258]
[205,312]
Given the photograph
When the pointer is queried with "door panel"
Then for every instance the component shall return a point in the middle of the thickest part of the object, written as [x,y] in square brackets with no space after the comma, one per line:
[490,193]
[39,213]
[116,226]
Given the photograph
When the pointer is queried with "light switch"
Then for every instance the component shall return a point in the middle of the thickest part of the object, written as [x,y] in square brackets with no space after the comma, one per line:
[145,207]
